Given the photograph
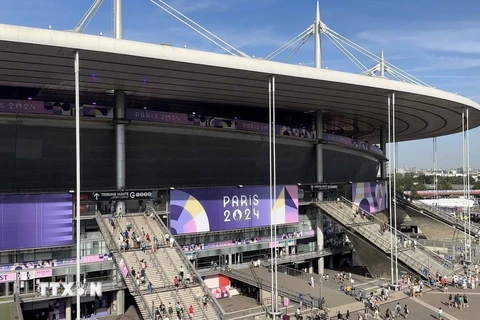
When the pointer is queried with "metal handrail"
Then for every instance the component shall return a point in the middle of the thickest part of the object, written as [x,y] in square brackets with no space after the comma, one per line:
[192,270]
[155,259]
[443,261]
[442,214]
[417,263]
[372,235]
[189,288]
[129,275]
[18,306]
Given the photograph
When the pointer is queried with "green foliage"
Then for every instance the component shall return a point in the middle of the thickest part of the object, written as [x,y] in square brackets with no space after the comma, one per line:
[476,185]
[409,182]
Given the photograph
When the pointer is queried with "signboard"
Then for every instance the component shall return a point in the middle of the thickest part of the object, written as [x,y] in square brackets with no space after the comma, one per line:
[157,116]
[370,196]
[122,195]
[25,275]
[219,209]
[36,221]
[23,106]
[333,138]
[323,187]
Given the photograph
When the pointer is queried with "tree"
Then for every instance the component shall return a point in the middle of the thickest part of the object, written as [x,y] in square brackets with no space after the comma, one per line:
[444,184]
[476,186]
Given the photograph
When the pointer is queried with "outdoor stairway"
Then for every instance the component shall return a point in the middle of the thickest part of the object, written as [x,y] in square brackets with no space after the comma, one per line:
[421,260]
[438,214]
[111,240]
[172,259]
[153,272]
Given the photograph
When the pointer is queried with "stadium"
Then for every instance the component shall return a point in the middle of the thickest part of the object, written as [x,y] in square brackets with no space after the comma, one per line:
[178,141]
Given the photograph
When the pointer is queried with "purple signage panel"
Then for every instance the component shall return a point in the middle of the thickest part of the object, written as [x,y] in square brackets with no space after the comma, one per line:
[370,196]
[23,106]
[351,142]
[157,116]
[36,221]
[337,139]
[219,209]
[252,126]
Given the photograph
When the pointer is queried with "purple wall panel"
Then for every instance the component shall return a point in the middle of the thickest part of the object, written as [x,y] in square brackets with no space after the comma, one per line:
[35,221]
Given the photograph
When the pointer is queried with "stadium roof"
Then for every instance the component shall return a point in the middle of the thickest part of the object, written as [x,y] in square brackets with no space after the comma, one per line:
[43,58]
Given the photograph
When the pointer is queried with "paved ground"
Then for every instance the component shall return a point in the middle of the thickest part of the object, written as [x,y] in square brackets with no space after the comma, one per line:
[421,308]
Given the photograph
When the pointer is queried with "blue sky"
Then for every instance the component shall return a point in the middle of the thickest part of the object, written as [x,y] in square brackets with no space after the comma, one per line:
[436,41]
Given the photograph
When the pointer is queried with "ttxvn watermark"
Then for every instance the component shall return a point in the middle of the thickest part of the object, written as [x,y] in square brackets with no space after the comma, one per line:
[70,289]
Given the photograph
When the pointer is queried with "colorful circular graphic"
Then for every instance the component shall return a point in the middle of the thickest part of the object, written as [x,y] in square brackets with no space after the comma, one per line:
[187,214]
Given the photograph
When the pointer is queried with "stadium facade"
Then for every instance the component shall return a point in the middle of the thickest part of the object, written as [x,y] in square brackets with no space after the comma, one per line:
[185,132]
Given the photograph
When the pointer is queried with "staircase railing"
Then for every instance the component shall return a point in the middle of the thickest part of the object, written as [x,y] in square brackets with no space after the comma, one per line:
[18,306]
[189,288]
[423,268]
[153,257]
[111,245]
[440,213]
[191,269]
[447,264]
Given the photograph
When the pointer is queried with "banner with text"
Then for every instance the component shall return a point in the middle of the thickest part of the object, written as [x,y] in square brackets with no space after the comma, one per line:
[157,116]
[23,106]
[219,209]
[370,196]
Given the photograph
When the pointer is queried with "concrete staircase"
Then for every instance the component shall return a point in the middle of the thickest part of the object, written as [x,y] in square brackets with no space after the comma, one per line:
[173,258]
[421,260]
[439,214]
[110,237]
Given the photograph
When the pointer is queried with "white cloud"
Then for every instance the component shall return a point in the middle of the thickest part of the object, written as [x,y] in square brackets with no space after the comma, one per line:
[457,37]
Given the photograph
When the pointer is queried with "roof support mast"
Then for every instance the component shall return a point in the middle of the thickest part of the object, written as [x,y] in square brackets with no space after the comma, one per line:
[88,16]
[117,19]
[318,44]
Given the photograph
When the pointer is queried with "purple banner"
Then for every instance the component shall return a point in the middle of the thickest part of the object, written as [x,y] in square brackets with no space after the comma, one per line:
[219,209]
[333,138]
[157,116]
[23,106]
[252,126]
[35,221]
[370,196]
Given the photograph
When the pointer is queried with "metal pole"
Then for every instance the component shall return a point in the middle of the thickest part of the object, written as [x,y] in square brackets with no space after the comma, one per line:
[274,189]
[435,165]
[467,147]
[118,19]
[272,239]
[318,48]
[464,182]
[390,182]
[395,187]
[77,169]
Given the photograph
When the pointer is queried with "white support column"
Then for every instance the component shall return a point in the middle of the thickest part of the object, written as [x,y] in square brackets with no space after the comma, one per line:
[68,308]
[391,195]
[394,135]
[319,176]
[467,151]
[77,171]
[120,145]
[118,19]
[120,302]
[383,146]
[317,34]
